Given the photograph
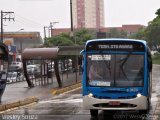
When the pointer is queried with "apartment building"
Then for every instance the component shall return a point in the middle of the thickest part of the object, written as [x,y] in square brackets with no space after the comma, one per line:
[88,13]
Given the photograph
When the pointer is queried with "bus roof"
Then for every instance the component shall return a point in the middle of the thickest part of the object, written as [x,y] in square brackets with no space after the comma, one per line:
[117,39]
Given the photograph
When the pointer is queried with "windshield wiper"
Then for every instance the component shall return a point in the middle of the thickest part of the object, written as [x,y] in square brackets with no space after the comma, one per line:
[124,60]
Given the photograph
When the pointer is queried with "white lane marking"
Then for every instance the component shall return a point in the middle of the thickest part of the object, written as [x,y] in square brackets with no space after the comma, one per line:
[62,101]
[76,98]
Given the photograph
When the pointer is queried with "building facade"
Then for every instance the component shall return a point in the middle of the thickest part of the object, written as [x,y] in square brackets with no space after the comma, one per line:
[22,40]
[129,29]
[88,13]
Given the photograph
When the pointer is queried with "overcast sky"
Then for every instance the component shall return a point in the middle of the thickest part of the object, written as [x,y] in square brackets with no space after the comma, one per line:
[33,15]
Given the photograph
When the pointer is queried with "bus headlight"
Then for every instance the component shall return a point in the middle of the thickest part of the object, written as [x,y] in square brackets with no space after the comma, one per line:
[139,95]
[90,95]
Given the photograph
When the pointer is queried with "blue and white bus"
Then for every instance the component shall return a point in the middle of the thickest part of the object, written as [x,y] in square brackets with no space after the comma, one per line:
[116,75]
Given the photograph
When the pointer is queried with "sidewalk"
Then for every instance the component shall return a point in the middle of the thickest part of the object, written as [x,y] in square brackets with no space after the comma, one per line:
[19,91]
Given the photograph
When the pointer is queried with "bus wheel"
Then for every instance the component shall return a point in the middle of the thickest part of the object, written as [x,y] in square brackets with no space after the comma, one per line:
[94,113]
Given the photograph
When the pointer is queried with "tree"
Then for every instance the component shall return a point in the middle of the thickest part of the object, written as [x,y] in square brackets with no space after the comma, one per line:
[158,12]
[114,33]
[82,35]
[141,34]
[60,40]
[153,31]
[123,34]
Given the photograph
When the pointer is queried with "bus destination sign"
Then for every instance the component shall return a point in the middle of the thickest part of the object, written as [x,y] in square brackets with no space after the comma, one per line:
[115,46]
[122,46]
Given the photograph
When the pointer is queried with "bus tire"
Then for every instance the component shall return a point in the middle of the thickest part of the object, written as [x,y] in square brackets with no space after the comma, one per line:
[94,113]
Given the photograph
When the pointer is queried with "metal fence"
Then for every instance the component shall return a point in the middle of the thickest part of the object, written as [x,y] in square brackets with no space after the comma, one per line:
[44,74]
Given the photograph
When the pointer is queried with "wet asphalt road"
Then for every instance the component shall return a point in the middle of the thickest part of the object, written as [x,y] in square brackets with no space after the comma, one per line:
[68,106]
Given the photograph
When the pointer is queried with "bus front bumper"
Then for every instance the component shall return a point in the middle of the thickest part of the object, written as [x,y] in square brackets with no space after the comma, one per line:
[138,103]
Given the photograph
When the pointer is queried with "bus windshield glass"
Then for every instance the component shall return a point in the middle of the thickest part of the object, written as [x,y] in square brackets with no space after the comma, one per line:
[115,70]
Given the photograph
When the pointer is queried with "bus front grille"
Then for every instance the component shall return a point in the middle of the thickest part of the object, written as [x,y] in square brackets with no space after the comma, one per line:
[122,105]
[117,97]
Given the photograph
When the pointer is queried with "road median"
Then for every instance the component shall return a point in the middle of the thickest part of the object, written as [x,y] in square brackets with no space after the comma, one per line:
[18,103]
[65,89]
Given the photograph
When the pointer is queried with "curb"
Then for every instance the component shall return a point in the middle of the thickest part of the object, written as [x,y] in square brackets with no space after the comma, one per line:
[66,89]
[18,103]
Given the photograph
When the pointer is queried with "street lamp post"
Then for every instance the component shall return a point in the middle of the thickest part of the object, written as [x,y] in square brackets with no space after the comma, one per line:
[20,30]
[21,47]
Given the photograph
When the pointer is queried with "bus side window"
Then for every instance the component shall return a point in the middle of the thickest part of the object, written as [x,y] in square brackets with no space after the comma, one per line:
[82,64]
[88,67]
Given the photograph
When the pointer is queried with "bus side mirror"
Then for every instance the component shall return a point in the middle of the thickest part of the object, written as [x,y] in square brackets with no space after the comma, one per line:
[82,52]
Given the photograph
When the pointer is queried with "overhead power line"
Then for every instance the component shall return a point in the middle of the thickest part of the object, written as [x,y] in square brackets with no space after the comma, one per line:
[28,21]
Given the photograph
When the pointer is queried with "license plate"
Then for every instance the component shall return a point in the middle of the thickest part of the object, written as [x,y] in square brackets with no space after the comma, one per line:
[114,103]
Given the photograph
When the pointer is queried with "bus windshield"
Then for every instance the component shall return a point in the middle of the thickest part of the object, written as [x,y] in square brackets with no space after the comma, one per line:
[115,70]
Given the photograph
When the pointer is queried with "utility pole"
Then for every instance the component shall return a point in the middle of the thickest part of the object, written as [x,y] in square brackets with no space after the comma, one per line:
[71,35]
[1,26]
[71,14]
[51,26]
[5,16]
[45,33]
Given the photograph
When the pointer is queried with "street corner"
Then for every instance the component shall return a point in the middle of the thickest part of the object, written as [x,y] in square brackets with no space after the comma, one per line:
[19,103]
[66,89]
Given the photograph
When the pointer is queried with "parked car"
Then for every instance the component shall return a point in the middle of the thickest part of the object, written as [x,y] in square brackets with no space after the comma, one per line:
[51,67]
[33,69]
[16,66]
[15,77]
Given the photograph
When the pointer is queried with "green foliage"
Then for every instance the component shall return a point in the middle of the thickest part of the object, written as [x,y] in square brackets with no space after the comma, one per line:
[156,59]
[61,40]
[158,12]
[153,31]
[141,35]
[82,35]
[79,37]
[114,33]
[123,34]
